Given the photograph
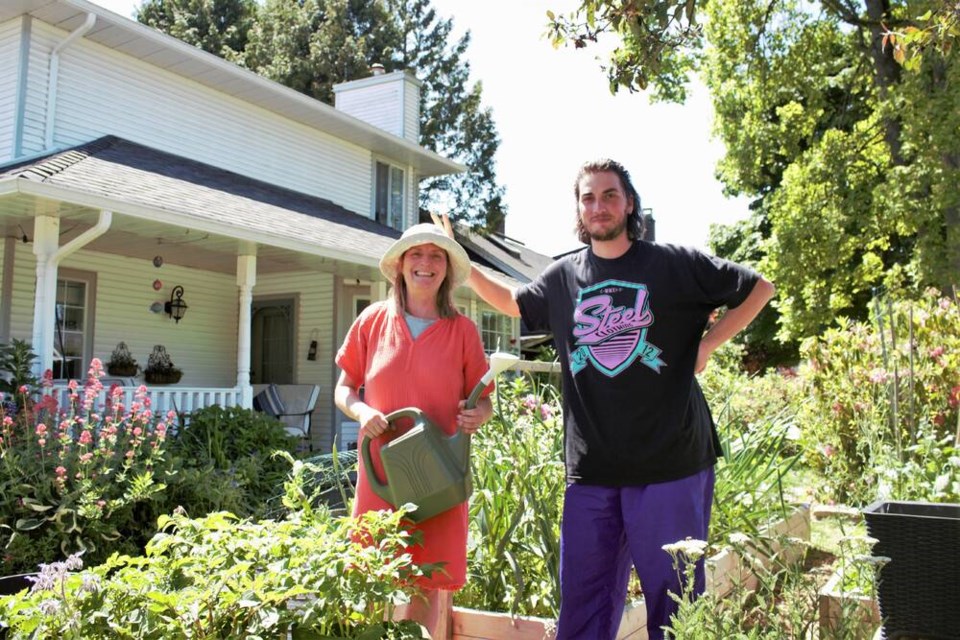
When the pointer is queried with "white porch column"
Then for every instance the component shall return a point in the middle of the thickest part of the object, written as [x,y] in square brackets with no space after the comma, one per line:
[379,290]
[46,240]
[246,279]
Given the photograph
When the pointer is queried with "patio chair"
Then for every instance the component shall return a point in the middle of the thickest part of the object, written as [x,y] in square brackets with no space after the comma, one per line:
[291,404]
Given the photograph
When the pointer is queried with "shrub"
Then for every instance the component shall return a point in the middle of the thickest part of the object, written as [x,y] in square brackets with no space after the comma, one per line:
[885,398]
[225,461]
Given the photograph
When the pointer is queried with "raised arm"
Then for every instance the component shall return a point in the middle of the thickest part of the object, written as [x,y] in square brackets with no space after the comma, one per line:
[498,295]
[734,321]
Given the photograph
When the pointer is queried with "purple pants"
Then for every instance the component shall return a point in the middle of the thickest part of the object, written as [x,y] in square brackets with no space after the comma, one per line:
[605,530]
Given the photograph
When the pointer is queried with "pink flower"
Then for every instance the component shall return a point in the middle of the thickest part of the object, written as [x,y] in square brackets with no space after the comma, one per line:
[86,437]
[42,442]
[41,429]
[137,432]
[129,455]
[7,421]
[24,389]
[546,412]
[73,385]
[61,471]
[47,379]
[86,457]
[937,352]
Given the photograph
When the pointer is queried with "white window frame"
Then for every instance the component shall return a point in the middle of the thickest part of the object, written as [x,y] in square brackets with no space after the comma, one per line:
[89,280]
[503,329]
[395,175]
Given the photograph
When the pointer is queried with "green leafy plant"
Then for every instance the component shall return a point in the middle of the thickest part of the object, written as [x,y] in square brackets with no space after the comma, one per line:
[515,511]
[16,372]
[225,461]
[885,398]
[221,577]
[78,479]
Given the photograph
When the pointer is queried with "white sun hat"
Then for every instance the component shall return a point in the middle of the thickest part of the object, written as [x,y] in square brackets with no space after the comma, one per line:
[458,263]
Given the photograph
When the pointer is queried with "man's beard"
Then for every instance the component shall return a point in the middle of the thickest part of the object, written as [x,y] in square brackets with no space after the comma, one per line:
[610,234]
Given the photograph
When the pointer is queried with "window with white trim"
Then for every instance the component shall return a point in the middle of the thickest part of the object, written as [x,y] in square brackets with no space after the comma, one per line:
[389,195]
[73,325]
[496,331]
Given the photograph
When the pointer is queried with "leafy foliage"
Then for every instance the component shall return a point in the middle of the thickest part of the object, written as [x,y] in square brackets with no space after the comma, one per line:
[225,461]
[883,420]
[519,482]
[851,161]
[311,45]
[221,577]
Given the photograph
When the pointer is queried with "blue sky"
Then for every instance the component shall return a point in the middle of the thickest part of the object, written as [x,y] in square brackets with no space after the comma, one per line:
[554,111]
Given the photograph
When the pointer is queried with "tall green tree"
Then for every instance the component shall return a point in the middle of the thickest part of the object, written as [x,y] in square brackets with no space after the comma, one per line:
[311,45]
[851,159]
[217,26]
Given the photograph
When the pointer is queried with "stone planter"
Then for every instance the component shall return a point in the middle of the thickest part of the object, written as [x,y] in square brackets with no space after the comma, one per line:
[843,610]
[724,570]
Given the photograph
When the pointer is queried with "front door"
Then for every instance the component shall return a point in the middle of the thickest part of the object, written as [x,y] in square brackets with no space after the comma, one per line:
[271,348]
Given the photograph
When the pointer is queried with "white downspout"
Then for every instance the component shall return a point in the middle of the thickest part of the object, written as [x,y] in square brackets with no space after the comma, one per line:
[49,256]
[55,72]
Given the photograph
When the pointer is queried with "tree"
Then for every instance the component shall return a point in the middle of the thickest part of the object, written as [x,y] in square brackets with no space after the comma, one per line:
[850,160]
[217,26]
[311,45]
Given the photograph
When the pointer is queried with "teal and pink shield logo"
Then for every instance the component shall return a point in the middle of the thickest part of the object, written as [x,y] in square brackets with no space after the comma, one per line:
[610,327]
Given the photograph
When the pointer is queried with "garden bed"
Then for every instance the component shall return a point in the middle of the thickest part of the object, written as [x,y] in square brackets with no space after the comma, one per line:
[723,571]
[846,610]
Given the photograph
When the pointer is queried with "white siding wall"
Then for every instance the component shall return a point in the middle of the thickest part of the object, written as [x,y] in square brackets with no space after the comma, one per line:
[378,104]
[316,312]
[102,92]
[9,65]
[203,344]
[411,112]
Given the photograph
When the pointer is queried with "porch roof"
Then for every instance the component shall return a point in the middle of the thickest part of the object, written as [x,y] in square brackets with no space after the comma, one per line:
[154,189]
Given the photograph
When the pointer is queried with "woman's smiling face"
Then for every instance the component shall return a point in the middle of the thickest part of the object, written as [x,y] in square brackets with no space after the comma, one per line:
[424,267]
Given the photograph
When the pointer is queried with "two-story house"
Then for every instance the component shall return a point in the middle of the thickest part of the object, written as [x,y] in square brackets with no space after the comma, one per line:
[142,179]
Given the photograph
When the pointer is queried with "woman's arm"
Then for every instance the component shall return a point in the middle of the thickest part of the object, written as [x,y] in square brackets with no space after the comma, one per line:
[346,395]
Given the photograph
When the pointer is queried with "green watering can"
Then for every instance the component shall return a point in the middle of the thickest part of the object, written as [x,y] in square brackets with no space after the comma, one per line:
[425,466]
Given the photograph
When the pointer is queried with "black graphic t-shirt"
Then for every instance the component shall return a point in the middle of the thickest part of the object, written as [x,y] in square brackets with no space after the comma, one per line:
[627,332]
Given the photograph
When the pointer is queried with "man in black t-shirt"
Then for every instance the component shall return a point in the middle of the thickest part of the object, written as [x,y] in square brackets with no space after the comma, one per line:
[628,320]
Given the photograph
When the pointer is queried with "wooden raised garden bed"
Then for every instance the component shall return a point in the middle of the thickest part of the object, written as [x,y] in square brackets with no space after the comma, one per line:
[723,571]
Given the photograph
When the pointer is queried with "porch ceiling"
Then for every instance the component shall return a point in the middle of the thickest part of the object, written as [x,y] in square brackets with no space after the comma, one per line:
[193,214]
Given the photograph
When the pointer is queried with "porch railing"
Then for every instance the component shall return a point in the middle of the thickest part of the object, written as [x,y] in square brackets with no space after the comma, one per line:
[183,400]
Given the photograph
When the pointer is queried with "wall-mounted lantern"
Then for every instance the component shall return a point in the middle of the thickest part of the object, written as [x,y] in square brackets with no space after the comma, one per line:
[176,307]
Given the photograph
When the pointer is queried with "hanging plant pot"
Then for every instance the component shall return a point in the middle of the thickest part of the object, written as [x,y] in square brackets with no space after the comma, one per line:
[162,377]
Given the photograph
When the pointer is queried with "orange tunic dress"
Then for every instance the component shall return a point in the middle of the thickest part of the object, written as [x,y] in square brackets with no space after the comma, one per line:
[433,373]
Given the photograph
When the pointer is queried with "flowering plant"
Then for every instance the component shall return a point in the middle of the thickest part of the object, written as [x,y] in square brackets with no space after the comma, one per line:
[75,479]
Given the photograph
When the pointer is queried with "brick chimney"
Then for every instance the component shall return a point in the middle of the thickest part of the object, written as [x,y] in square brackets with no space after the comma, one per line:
[389,101]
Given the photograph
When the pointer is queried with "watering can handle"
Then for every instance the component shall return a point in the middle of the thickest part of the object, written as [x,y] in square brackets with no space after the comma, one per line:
[378,487]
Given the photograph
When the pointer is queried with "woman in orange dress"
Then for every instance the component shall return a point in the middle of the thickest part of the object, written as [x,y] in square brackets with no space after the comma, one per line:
[416,350]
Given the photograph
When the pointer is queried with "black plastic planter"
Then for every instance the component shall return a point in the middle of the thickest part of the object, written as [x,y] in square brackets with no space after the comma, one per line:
[919,589]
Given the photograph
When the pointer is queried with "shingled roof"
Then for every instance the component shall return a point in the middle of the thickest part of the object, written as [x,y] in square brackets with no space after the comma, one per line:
[200,195]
